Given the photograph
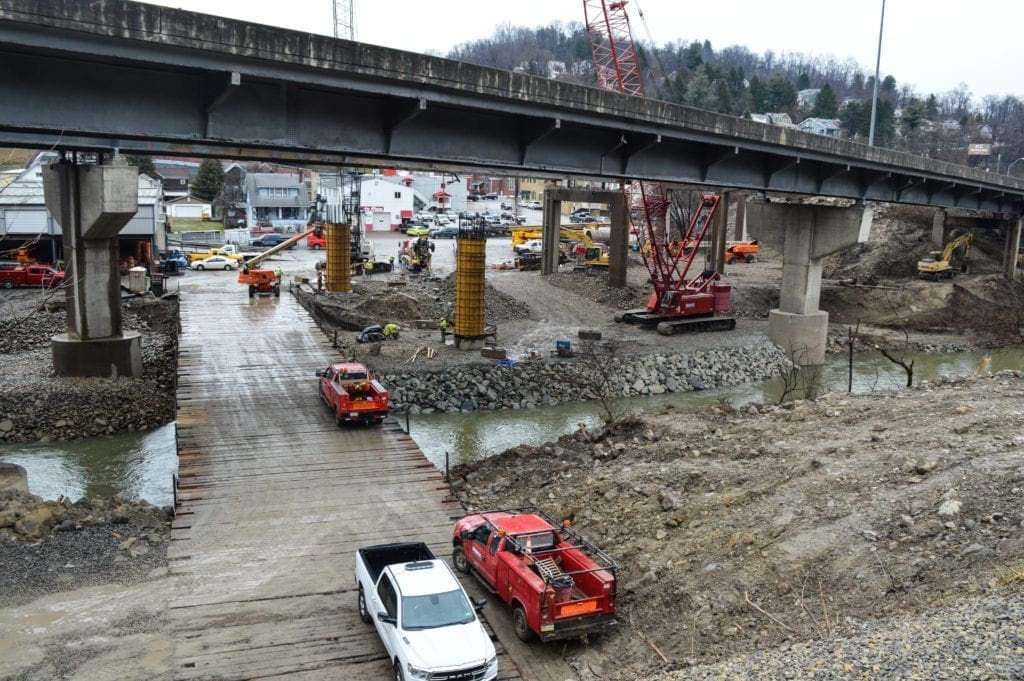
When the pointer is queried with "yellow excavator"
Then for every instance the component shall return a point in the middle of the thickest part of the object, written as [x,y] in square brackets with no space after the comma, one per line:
[948,261]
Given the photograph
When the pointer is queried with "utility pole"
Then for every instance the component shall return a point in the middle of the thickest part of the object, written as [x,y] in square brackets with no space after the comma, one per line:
[344,19]
[878,63]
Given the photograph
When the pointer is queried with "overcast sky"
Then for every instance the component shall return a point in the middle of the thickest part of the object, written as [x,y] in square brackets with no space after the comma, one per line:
[933,45]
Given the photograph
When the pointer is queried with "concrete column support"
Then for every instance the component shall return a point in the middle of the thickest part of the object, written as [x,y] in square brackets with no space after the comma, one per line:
[1012,250]
[809,233]
[740,229]
[718,233]
[92,203]
[550,233]
[619,242]
[939,228]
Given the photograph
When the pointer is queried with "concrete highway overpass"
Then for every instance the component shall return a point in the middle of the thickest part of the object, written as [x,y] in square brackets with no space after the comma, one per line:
[147,79]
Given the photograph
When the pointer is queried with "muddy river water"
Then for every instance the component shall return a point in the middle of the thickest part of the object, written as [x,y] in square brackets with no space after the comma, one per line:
[141,464]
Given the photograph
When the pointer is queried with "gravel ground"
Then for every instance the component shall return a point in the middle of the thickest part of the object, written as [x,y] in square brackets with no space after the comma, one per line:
[979,638]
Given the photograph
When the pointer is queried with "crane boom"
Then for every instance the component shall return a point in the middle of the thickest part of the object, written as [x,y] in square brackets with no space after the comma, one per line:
[674,297]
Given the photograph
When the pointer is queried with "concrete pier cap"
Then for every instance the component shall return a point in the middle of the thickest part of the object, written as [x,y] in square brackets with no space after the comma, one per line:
[92,203]
[808,234]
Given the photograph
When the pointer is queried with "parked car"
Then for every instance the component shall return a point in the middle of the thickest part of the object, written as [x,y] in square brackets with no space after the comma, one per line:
[274,239]
[449,232]
[472,197]
[582,217]
[490,197]
[418,230]
[507,205]
[532,205]
[442,220]
[531,246]
[216,262]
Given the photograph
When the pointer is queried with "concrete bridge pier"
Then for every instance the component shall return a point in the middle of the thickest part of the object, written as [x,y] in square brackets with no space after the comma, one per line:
[1012,250]
[92,203]
[809,233]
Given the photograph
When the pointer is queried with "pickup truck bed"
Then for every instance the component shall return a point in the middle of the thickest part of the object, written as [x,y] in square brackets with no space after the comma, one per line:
[376,558]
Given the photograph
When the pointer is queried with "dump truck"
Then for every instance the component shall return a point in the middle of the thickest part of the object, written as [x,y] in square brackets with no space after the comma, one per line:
[352,393]
[558,584]
[427,623]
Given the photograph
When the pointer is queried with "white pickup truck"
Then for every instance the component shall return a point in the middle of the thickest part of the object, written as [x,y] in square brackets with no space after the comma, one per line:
[424,617]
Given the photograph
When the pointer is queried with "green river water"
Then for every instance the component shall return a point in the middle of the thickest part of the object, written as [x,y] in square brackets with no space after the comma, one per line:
[141,464]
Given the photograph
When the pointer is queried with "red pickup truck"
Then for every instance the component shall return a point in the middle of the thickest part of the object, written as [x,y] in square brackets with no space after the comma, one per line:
[352,393]
[559,585]
[31,275]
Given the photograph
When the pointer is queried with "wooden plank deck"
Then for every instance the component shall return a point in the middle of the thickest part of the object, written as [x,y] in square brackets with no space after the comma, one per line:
[274,500]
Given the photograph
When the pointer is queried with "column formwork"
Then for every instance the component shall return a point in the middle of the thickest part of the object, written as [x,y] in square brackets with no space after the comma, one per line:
[470,260]
[339,257]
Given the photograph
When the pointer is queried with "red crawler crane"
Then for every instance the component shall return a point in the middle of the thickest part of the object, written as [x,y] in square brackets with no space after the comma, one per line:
[677,304]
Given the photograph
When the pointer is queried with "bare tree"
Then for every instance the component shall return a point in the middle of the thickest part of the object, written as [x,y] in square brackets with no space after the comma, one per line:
[599,364]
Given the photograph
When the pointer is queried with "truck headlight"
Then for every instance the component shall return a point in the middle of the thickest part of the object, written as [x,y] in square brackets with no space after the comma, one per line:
[416,672]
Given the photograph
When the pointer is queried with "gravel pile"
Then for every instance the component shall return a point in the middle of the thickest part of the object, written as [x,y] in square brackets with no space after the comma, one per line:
[38,406]
[600,372]
[48,546]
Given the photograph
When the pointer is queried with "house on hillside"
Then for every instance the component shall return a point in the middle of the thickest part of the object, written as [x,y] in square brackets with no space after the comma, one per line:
[806,99]
[781,119]
[280,199]
[822,126]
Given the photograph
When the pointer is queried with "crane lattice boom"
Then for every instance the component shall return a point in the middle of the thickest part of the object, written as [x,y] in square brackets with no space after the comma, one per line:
[618,70]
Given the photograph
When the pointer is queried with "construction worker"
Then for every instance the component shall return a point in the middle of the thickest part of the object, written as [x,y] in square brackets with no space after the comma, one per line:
[368,269]
[443,325]
[391,331]
[278,274]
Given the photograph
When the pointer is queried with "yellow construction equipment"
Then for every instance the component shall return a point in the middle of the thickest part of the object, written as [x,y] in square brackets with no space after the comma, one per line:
[948,261]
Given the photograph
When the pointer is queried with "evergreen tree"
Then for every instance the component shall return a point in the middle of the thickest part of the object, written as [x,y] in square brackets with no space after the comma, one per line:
[781,94]
[699,91]
[692,59]
[914,113]
[825,105]
[931,108]
[209,180]
[143,163]
[803,81]
[758,96]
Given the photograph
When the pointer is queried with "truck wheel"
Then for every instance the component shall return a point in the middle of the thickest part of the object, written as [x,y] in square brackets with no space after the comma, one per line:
[340,420]
[399,674]
[200,267]
[364,614]
[523,630]
[750,258]
[8,283]
[252,290]
[459,560]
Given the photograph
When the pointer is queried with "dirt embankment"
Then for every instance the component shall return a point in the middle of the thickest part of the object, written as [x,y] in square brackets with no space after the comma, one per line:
[742,531]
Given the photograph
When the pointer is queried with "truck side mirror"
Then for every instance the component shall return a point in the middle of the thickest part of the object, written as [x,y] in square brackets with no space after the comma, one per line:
[386,618]
[319,373]
[479,605]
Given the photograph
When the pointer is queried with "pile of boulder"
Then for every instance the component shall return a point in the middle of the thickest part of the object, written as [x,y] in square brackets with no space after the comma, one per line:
[550,381]
[25,517]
